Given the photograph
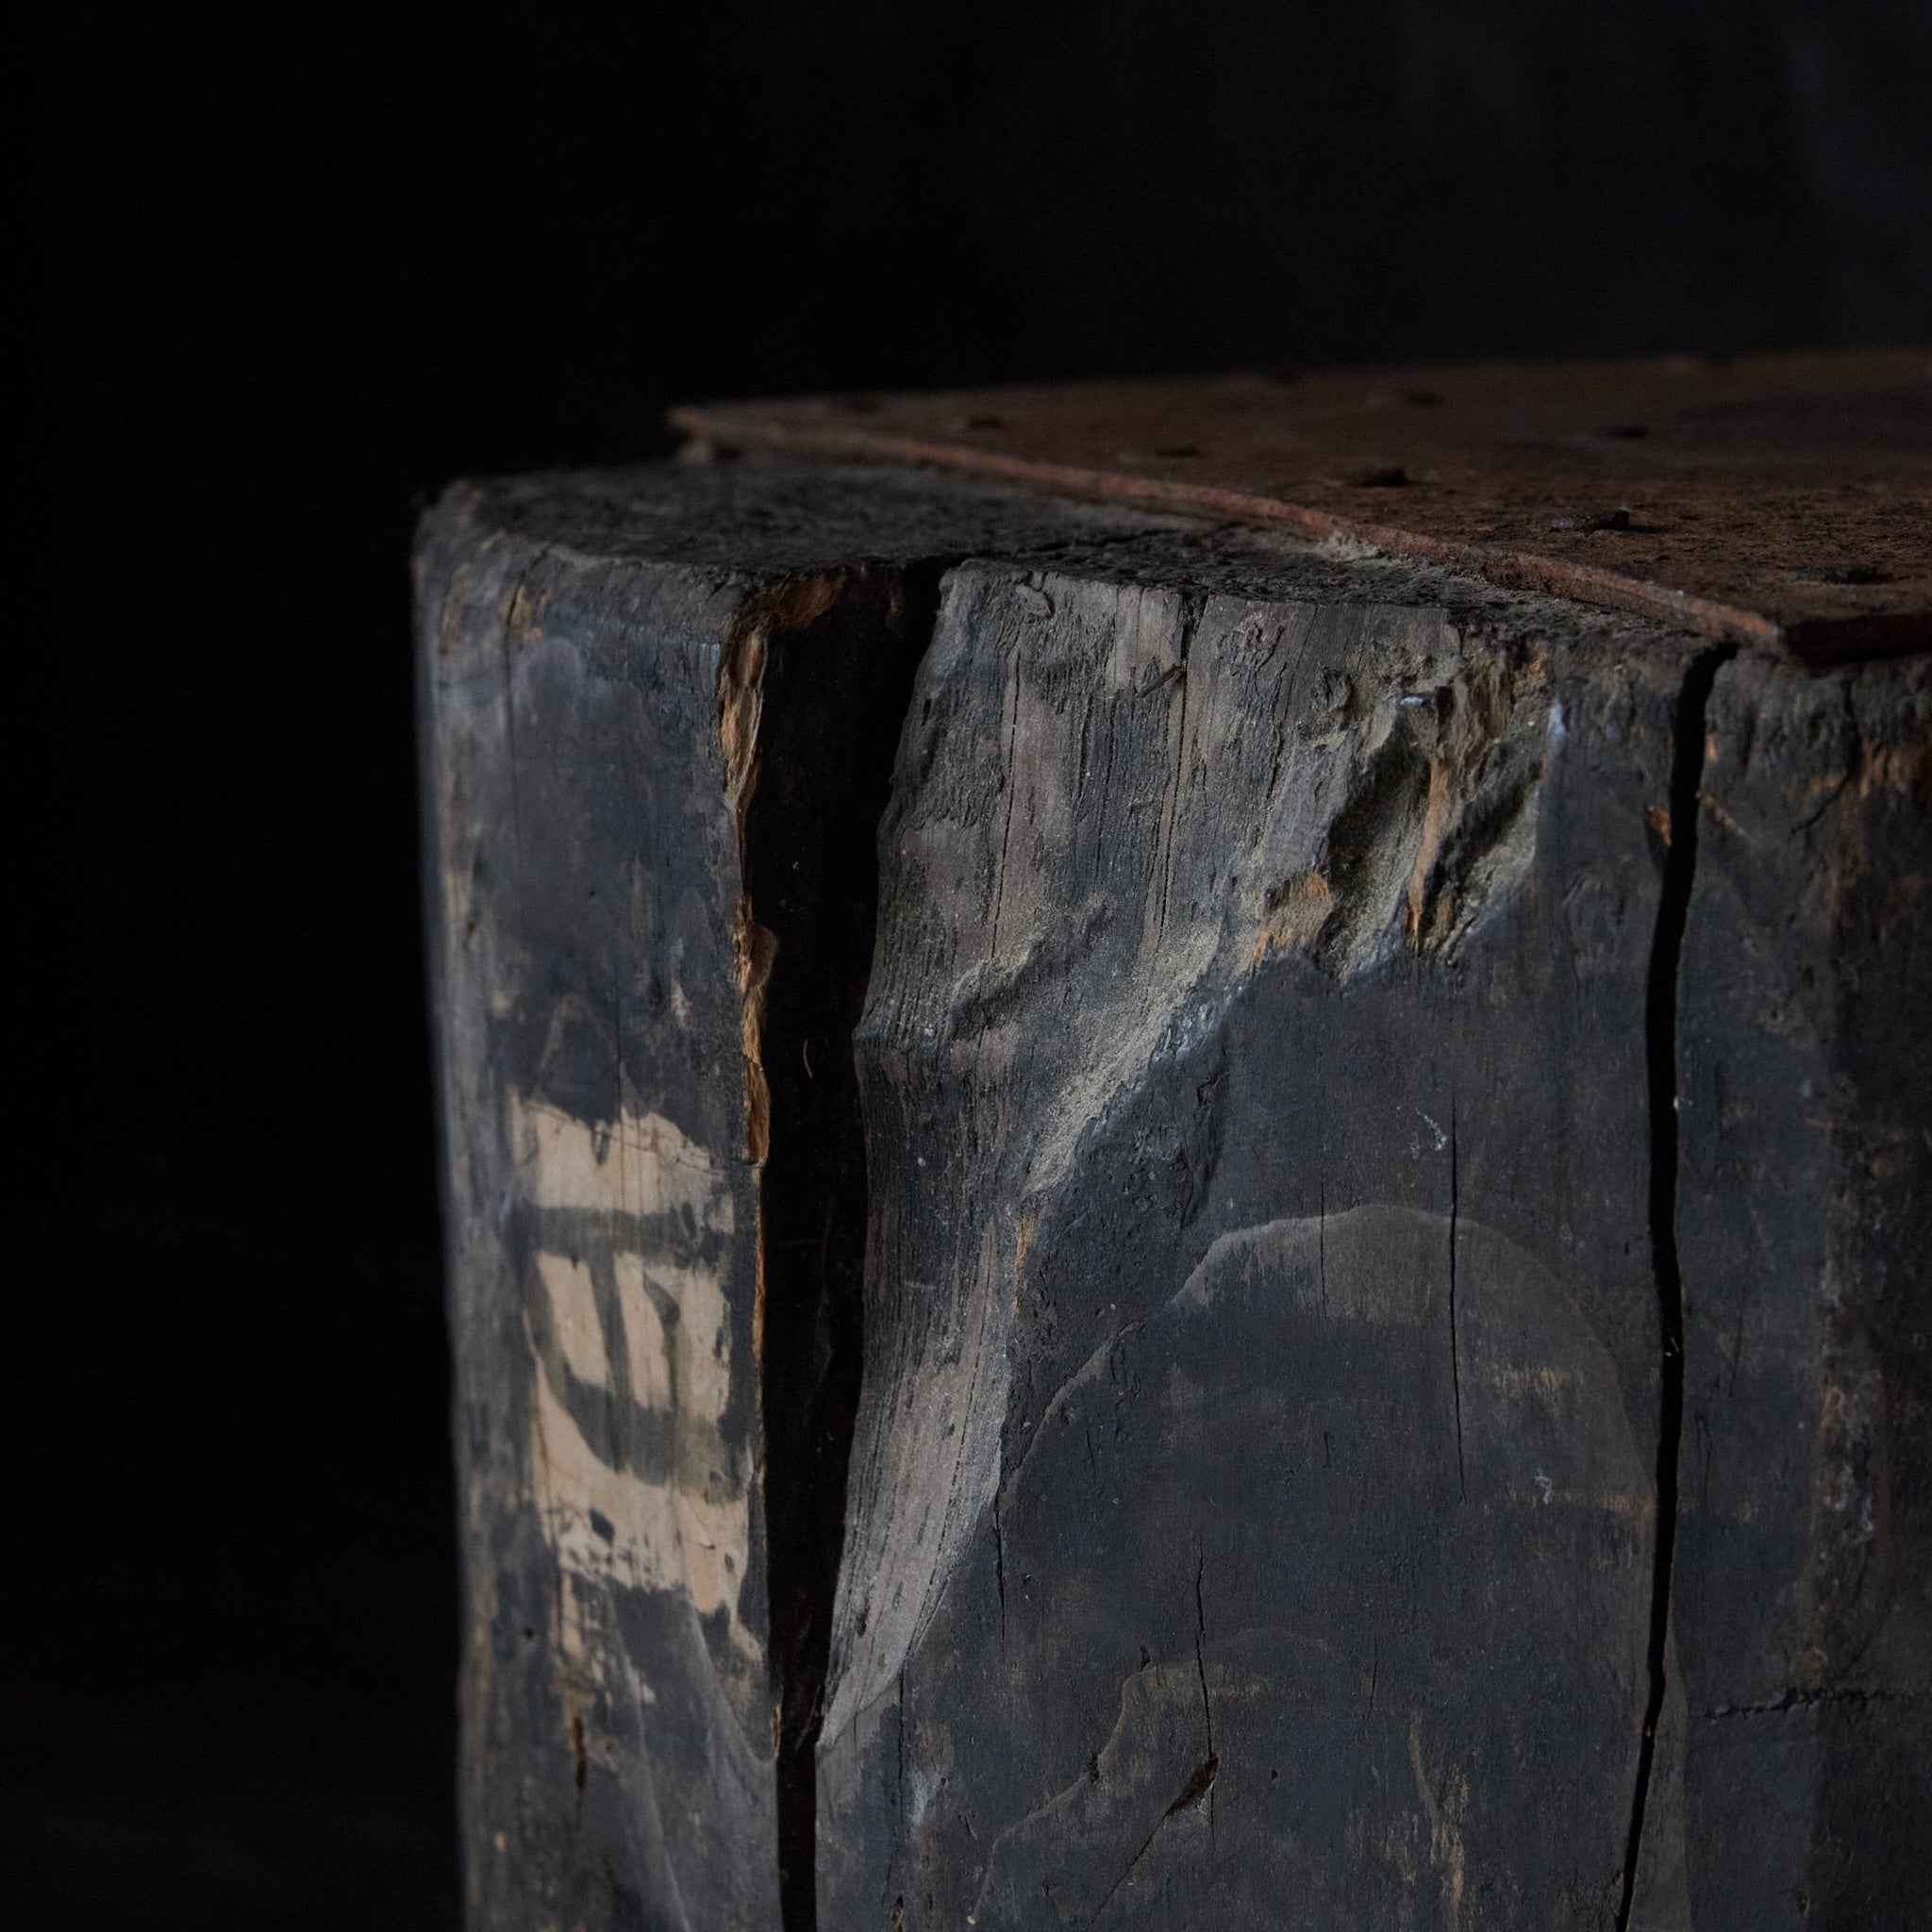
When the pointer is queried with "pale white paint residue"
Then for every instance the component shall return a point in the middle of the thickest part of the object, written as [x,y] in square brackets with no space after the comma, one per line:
[577,1488]
[704,1335]
[657,1219]
[574,1317]
[637,1164]
[609,1525]
[647,1347]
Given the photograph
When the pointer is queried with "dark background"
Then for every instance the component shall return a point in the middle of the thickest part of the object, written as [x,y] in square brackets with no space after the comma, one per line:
[297,265]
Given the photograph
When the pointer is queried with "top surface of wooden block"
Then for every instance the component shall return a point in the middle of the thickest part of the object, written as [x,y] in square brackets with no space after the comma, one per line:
[1783,502]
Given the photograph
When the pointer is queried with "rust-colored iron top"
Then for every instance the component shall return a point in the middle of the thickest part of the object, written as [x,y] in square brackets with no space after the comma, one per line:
[1777,501]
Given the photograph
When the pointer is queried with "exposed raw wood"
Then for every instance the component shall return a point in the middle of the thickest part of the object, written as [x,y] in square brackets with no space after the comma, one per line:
[659,710]
[1777,501]
[1367,1252]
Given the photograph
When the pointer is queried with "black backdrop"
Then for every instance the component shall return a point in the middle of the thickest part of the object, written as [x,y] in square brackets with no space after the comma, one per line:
[302,264]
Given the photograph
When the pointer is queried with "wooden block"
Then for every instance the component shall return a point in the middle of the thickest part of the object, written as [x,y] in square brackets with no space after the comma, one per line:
[659,710]
[1350,1181]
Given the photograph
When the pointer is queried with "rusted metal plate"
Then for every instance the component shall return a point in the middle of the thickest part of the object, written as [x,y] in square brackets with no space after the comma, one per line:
[1774,501]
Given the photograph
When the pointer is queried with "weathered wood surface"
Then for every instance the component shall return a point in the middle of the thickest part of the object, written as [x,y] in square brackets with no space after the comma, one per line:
[1805,1502]
[1252,1497]
[618,933]
[1386,1160]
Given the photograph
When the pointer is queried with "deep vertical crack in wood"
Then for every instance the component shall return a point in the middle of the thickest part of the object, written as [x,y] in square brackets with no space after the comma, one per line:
[1660,1044]
[827,730]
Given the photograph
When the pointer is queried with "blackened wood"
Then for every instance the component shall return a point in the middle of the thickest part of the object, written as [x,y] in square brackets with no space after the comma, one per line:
[659,707]
[1254,1492]
[1386,1156]
[1782,501]
[1800,1599]
[1326,1435]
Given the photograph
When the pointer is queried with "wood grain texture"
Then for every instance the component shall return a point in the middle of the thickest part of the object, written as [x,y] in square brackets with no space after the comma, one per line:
[614,885]
[1252,1493]
[1341,1147]
[1805,1539]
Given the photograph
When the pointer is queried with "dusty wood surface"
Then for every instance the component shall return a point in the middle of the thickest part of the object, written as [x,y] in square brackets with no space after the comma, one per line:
[1262,988]
[1805,1212]
[1366,1251]
[650,936]
[1779,501]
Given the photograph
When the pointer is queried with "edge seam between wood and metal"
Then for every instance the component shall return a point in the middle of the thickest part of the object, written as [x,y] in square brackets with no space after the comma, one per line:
[1819,646]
